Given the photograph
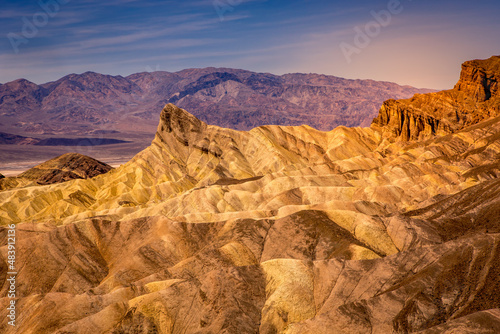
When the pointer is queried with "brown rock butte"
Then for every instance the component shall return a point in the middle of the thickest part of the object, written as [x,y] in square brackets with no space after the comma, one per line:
[273,230]
[474,98]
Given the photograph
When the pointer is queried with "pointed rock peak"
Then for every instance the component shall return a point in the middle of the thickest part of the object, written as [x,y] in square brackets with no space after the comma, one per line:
[175,119]
[179,124]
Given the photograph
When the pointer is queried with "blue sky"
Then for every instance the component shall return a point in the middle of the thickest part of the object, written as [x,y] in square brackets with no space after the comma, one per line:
[422,43]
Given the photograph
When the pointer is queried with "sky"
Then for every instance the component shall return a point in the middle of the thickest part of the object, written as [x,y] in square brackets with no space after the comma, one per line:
[421,43]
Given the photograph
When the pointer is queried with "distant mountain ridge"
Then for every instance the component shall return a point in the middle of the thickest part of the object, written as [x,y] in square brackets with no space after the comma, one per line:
[80,103]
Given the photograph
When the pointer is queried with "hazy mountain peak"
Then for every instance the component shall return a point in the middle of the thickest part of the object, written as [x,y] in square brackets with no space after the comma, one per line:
[20,84]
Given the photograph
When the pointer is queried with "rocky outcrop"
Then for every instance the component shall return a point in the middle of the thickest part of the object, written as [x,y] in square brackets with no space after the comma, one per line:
[66,167]
[480,79]
[473,99]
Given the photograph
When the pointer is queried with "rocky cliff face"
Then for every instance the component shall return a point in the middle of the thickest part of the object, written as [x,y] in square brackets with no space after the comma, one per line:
[474,98]
[480,79]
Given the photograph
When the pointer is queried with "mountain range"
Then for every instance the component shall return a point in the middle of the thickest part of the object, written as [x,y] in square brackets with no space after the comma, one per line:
[393,227]
[97,104]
